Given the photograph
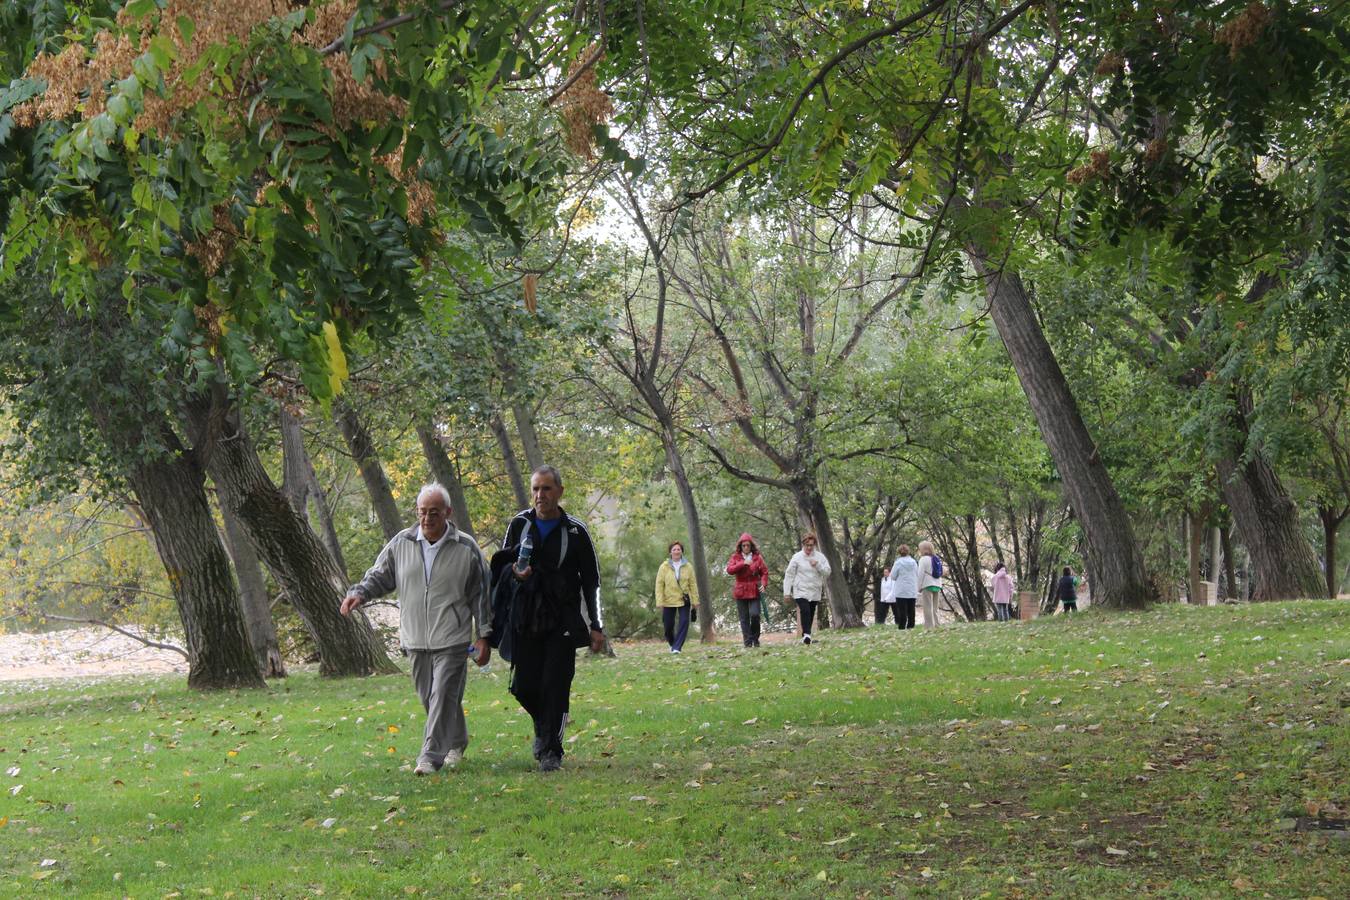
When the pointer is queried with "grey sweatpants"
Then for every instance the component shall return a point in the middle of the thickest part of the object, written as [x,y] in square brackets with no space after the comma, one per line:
[439,677]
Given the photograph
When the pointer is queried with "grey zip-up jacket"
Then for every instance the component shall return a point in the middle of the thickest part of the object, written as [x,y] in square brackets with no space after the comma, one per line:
[440,614]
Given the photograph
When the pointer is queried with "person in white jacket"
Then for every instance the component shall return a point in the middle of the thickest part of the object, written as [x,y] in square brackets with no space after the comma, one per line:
[905,584]
[886,599]
[930,585]
[804,580]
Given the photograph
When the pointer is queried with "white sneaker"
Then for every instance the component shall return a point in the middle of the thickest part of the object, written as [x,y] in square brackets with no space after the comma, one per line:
[424,767]
[454,758]
[806,639]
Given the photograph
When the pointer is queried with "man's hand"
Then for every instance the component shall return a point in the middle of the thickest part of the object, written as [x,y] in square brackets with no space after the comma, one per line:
[484,652]
[522,574]
[597,641]
[787,600]
[349,603]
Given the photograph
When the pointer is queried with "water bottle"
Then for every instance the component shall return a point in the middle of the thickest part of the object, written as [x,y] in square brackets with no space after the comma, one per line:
[523,556]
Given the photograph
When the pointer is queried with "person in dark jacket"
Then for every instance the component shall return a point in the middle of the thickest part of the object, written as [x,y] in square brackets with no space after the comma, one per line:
[1067,590]
[752,577]
[557,610]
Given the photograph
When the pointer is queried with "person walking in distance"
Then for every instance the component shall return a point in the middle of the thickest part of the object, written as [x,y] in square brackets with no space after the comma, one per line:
[557,611]
[676,595]
[1001,586]
[804,580]
[1067,590]
[885,603]
[905,578]
[441,581]
[930,582]
[752,577]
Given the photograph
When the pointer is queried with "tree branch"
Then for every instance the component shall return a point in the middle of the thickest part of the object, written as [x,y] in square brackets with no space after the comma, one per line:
[120,630]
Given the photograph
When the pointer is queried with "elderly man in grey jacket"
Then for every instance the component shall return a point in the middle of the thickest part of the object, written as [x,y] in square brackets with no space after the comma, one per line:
[441,580]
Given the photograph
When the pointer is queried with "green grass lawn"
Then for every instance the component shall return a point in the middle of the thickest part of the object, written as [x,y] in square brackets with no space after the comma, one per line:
[1162,753]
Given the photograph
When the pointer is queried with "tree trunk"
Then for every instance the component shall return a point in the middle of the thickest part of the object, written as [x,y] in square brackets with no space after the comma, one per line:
[443,470]
[253,598]
[172,495]
[362,449]
[1215,556]
[842,611]
[1229,569]
[284,540]
[697,553]
[509,460]
[1331,526]
[1265,516]
[529,437]
[300,483]
[1195,539]
[1113,558]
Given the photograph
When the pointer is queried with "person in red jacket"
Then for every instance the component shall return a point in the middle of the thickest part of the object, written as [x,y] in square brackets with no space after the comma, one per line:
[752,577]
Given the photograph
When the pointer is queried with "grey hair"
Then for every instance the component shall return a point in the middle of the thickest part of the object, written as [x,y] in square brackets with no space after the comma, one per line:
[551,471]
[434,488]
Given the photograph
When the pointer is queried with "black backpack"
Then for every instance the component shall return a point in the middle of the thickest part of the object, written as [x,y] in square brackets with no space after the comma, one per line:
[503,601]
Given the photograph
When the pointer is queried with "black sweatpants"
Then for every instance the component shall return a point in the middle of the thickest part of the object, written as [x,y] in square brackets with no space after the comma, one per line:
[808,611]
[542,683]
[749,613]
[882,609]
[904,611]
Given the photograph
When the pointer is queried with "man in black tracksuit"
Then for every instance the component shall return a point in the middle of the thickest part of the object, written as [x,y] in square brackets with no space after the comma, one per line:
[557,610]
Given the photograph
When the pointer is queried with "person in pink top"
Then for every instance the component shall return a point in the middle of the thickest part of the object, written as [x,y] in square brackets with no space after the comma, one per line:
[1001,585]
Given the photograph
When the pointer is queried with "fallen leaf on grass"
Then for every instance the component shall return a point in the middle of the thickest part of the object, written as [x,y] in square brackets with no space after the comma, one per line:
[328,823]
[1116,851]
[46,863]
[838,841]
[821,876]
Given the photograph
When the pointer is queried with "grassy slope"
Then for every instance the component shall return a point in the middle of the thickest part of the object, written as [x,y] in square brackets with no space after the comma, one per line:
[1152,753]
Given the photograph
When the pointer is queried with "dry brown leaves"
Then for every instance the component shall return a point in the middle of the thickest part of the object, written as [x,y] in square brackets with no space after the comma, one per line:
[584,105]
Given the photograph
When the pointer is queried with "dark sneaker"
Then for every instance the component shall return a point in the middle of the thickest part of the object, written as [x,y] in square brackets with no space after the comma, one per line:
[550,762]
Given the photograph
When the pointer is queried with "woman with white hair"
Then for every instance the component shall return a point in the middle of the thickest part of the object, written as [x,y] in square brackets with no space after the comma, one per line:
[930,582]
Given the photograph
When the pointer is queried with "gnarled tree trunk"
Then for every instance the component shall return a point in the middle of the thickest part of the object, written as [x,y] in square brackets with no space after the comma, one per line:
[499,431]
[300,484]
[1116,566]
[253,599]
[362,449]
[172,495]
[443,470]
[1284,562]
[284,540]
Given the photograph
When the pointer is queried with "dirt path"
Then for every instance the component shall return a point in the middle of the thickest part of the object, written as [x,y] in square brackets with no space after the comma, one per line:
[81,653]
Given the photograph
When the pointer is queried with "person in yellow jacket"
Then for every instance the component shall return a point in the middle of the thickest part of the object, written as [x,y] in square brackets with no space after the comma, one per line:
[676,595]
